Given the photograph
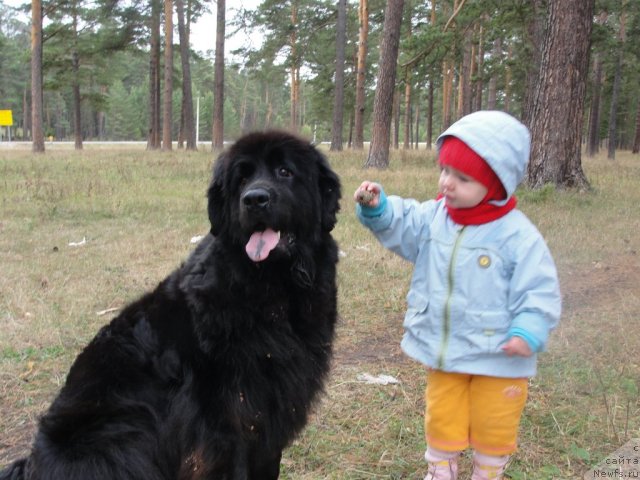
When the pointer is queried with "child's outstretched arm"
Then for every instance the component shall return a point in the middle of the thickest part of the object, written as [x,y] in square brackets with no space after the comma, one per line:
[396,222]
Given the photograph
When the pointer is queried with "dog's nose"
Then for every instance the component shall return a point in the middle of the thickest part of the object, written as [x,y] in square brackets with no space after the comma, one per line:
[256,198]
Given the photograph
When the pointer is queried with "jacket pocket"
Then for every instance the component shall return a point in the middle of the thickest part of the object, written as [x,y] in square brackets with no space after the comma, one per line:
[415,320]
[486,331]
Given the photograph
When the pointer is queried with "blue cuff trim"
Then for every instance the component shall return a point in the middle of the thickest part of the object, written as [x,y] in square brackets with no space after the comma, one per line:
[371,212]
[533,342]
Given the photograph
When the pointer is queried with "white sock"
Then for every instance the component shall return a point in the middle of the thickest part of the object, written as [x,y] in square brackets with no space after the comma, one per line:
[490,460]
[433,455]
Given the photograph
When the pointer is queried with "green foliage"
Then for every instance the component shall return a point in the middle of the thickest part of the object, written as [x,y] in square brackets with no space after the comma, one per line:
[110,40]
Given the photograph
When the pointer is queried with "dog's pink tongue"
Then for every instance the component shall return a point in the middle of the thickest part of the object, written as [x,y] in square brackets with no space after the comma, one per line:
[261,243]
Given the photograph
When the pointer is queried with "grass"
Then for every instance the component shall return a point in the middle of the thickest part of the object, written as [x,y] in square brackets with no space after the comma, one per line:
[137,212]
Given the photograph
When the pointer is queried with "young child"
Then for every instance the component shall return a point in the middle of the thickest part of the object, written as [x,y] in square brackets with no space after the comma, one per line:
[484,293]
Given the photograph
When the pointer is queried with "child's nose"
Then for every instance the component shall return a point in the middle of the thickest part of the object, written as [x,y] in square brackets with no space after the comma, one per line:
[446,182]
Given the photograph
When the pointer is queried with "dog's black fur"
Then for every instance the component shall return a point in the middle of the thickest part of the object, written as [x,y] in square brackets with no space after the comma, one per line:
[214,372]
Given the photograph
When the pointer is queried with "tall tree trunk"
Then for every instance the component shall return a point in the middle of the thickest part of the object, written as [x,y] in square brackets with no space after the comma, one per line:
[613,109]
[407,109]
[37,127]
[77,101]
[479,82]
[535,33]
[269,114]
[615,95]
[416,137]
[556,127]
[338,104]
[187,95]
[295,69]
[75,86]
[218,90]
[363,16]
[593,140]
[407,85]
[464,100]
[153,139]
[101,116]
[395,115]
[431,93]
[167,110]
[447,89]
[379,149]
[507,81]
[448,73]
[430,115]
[26,115]
[636,142]
[492,94]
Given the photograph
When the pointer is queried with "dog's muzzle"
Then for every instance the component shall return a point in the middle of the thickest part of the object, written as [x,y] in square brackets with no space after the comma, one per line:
[256,199]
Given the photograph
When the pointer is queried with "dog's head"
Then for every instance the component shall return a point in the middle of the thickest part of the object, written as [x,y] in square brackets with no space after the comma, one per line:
[271,190]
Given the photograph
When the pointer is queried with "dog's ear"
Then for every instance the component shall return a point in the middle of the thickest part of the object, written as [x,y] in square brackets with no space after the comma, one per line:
[217,208]
[330,193]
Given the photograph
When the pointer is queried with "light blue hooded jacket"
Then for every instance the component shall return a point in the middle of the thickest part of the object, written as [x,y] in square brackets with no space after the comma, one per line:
[475,286]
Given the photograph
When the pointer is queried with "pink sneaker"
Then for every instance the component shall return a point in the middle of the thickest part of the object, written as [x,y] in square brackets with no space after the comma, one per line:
[443,470]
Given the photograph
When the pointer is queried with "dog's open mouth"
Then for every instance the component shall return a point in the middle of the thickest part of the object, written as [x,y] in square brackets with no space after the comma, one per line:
[262,243]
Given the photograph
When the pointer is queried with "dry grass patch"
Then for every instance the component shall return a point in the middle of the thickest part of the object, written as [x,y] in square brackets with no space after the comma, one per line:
[138,211]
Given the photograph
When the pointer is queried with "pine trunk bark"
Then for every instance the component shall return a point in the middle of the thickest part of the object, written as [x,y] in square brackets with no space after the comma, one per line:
[636,142]
[593,141]
[379,150]
[153,139]
[407,109]
[556,126]
[535,32]
[338,110]
[430,115]
[37,127]
[363,15]
[295,69]
[218,90]
[167,110]
[26,116]
[189,131]
[615,95]
[464,101]
[75,87]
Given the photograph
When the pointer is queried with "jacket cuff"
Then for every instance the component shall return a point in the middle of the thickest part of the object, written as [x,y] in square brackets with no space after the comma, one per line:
[371,212]
[533,342]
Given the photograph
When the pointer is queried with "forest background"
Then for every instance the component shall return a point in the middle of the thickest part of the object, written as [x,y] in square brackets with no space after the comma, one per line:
[454,57]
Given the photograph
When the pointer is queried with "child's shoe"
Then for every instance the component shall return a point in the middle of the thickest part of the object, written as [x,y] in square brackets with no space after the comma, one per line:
[487,467]
[441,465]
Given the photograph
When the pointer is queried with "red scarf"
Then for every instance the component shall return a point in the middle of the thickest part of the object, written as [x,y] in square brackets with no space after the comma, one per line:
[484,212]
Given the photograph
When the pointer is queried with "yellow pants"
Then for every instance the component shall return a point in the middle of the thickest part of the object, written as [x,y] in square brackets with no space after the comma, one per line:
[473,410]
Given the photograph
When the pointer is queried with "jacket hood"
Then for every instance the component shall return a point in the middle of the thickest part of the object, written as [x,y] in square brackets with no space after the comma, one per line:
[501,140]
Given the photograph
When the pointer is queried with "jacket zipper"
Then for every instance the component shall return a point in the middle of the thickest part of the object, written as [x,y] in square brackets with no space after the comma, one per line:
[446,326]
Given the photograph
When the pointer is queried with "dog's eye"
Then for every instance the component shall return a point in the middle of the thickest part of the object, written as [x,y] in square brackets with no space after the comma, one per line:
[285,172]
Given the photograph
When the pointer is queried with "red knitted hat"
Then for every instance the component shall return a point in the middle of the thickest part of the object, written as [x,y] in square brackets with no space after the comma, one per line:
[456,154]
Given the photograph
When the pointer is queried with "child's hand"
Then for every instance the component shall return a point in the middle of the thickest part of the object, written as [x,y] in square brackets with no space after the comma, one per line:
[517,346]
[368,194]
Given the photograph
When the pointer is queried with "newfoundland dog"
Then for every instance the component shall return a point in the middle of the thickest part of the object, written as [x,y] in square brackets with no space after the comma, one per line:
[213,373]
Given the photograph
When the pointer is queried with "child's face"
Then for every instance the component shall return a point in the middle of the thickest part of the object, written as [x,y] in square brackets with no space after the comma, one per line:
[460,190]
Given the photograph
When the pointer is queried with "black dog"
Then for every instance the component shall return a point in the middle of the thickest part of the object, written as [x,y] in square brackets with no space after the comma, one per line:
[213,373]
